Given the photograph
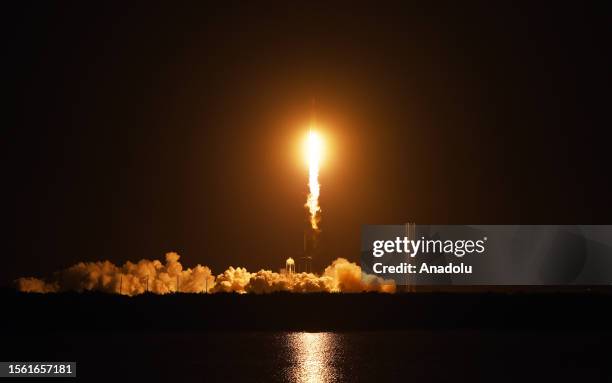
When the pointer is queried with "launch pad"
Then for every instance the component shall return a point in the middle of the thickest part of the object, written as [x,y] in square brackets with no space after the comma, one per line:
[310,250]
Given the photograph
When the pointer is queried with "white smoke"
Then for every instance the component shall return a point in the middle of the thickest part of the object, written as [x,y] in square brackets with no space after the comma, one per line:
[232,280]
[35,285]
[155,277]
[340,276]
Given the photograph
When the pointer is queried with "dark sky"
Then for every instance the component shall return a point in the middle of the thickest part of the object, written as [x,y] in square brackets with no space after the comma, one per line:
[143,129]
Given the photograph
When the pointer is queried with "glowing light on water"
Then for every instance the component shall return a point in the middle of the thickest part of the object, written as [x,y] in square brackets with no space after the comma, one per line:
[314,357]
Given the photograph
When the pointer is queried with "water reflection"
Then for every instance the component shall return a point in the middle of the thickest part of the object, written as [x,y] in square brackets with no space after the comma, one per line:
[315,357]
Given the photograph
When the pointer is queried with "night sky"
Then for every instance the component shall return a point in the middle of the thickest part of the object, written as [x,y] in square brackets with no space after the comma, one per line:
[135,129]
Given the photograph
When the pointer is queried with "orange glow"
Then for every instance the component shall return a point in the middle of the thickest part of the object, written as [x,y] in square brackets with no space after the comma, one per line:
[314,151]
[313,354]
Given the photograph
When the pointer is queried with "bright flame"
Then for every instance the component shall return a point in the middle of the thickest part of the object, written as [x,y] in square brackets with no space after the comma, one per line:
[314,149]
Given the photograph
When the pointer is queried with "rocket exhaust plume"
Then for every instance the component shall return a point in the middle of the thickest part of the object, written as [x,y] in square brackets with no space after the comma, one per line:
[314,148]
[155,277]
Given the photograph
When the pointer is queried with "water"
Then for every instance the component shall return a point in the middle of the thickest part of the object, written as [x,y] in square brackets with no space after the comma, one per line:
[417,355]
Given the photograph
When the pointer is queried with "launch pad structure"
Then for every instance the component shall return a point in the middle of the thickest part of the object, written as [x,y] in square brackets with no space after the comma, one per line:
[311,246]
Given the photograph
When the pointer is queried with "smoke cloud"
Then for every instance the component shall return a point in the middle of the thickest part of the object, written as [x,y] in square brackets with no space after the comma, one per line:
[155,277]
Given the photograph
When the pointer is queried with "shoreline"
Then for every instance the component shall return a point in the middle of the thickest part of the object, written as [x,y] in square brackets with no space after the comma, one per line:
[306,312]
